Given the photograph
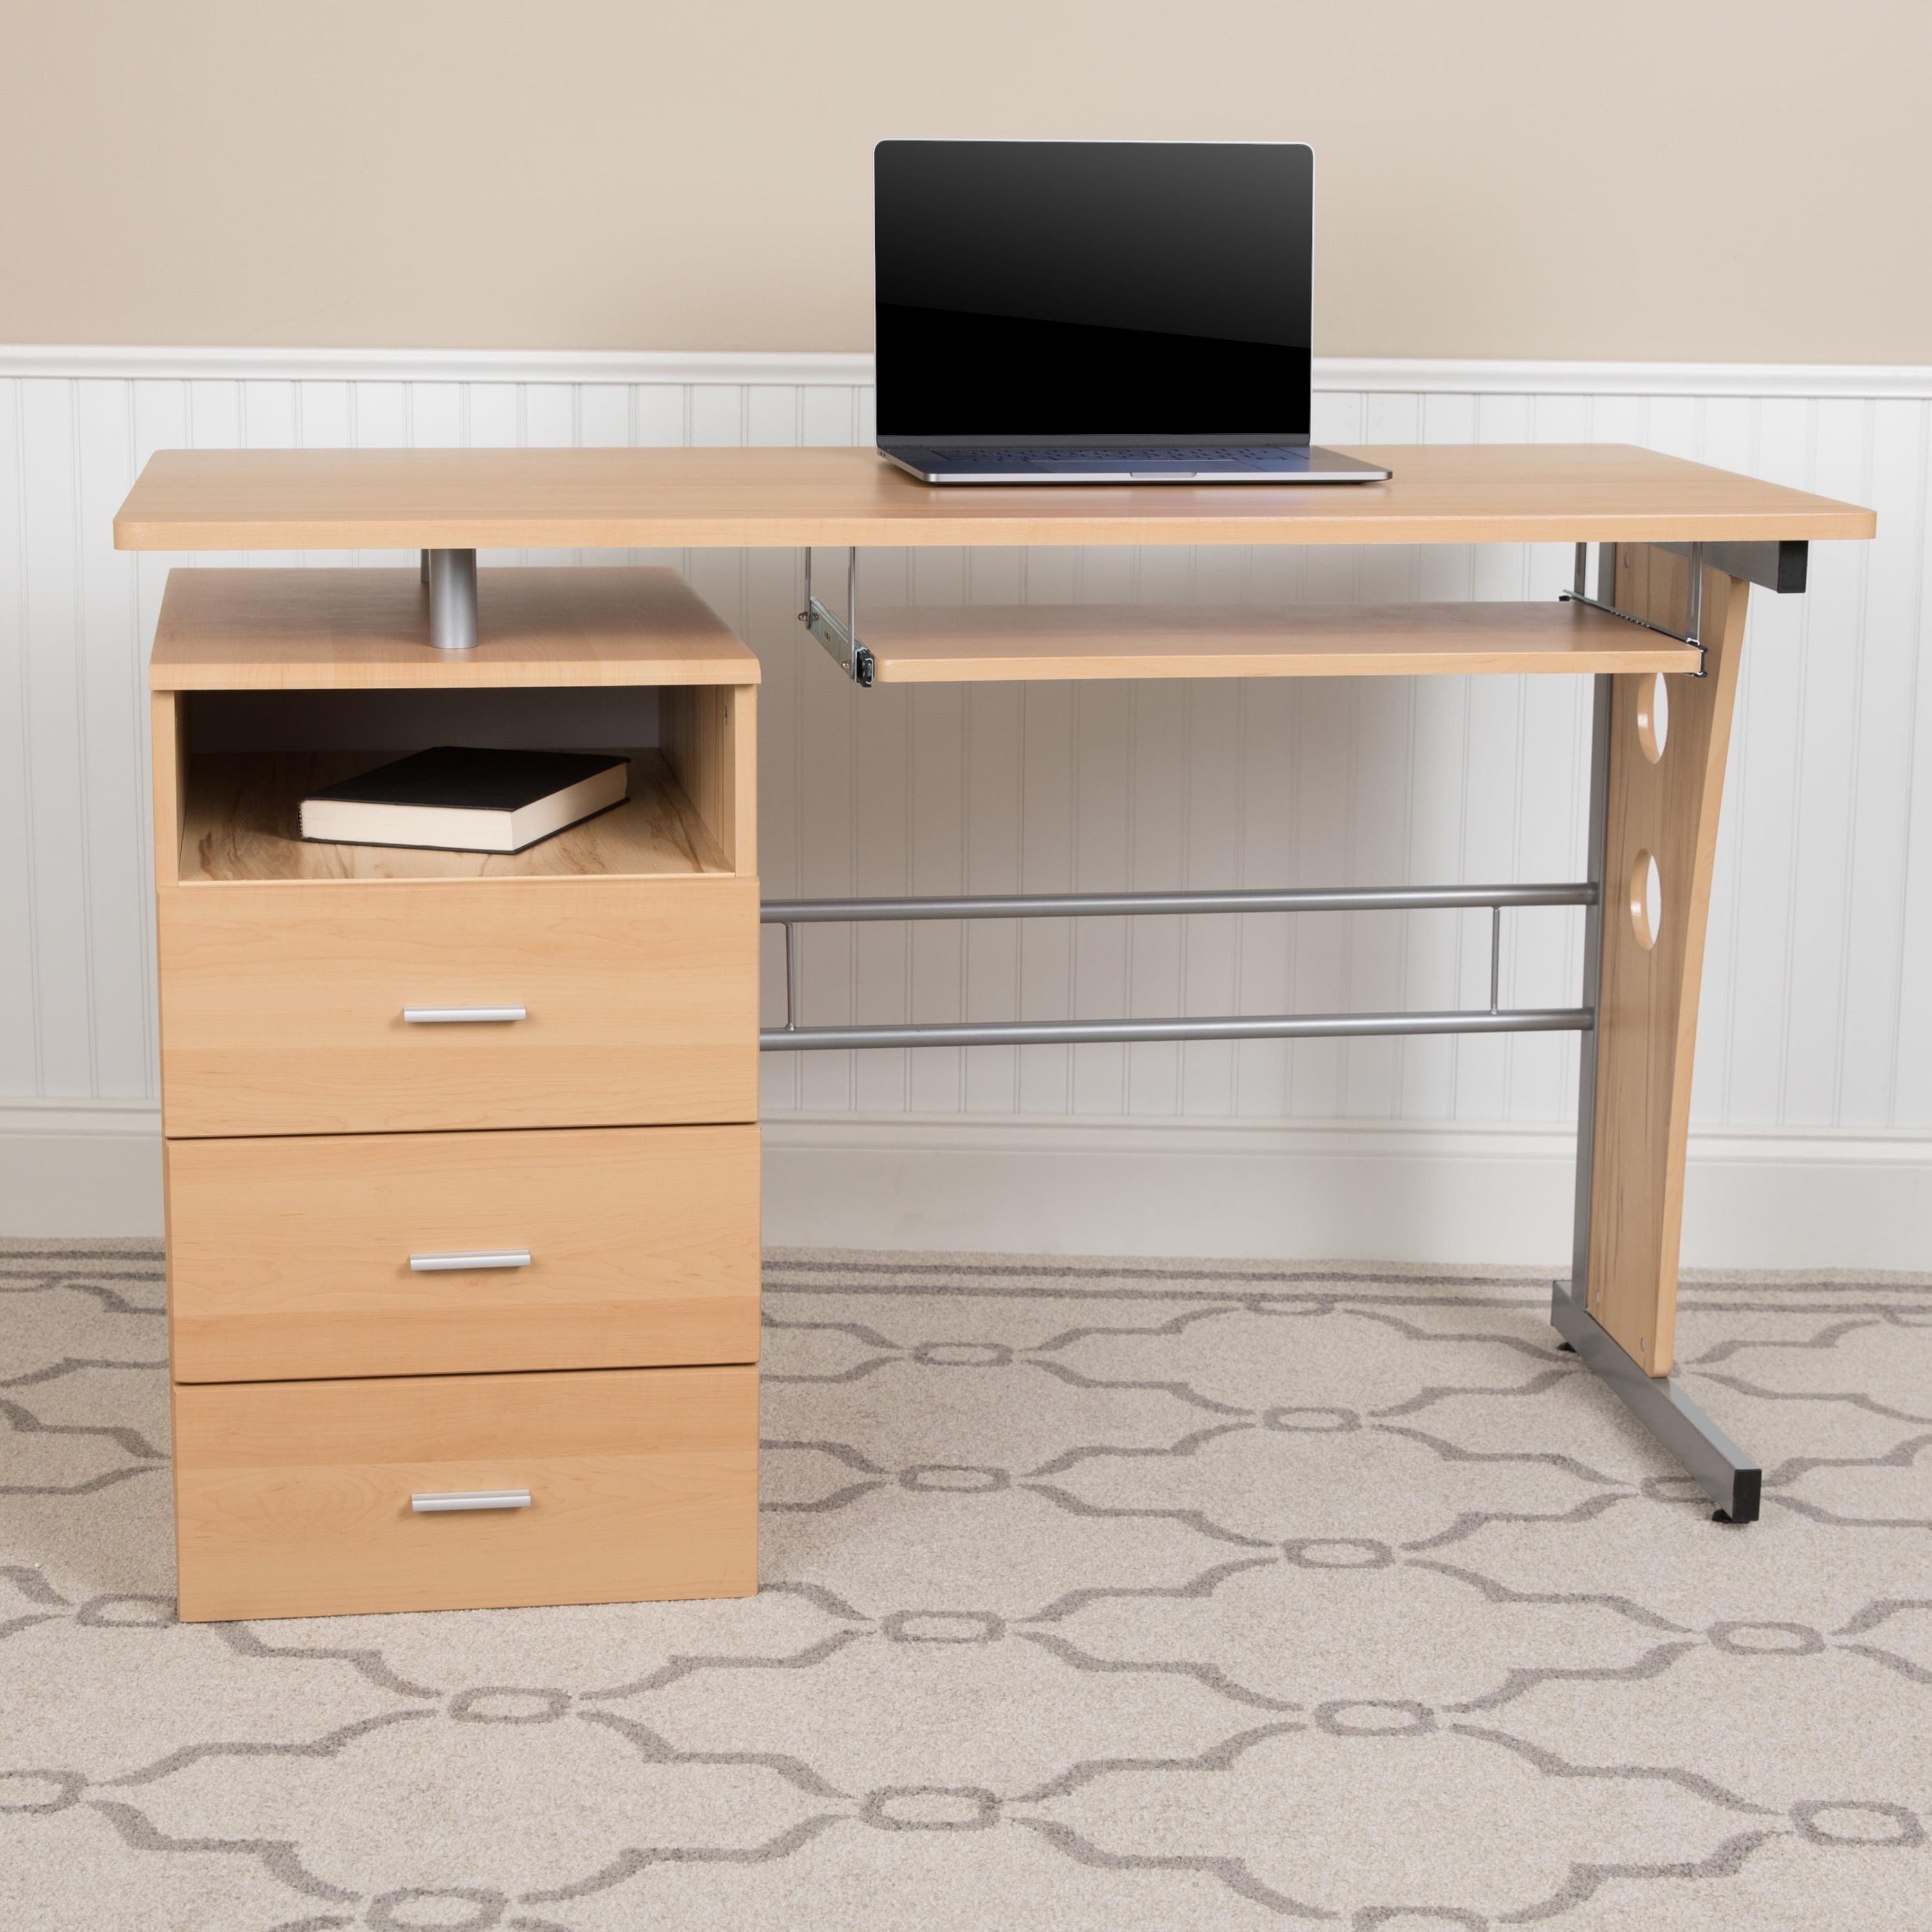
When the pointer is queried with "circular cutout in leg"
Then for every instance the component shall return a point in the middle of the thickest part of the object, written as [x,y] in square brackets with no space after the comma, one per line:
[1653,716]
[1646,900]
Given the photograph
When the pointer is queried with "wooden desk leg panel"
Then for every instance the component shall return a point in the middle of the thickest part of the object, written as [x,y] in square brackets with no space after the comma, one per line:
[1647,1024]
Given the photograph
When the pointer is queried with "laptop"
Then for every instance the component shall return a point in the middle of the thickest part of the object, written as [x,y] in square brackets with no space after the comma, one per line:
[1097,312]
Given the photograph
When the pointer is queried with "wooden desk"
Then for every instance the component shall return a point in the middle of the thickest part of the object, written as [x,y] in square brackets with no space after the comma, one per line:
[1655,795]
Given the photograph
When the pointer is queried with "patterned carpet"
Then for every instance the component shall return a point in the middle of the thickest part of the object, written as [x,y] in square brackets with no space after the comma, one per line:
[1165,1596]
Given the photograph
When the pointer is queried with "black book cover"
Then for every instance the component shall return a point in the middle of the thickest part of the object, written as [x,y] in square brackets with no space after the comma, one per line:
[466,778]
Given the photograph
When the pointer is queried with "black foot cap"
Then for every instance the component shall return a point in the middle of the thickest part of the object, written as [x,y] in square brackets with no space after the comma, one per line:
[1565,1348]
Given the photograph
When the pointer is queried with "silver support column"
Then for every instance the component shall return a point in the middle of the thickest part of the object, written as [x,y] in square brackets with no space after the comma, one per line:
[1593,966]
[1732,1480]
[451,575]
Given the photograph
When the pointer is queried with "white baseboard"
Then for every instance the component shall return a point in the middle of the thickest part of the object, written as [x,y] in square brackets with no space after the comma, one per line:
[80,1167]
[1363,1191]
[1355,1190]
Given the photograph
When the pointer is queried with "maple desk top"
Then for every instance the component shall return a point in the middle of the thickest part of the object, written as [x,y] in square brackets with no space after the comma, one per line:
[620,499]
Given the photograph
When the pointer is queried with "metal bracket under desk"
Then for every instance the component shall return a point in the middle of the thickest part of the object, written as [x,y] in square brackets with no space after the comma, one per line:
[1781,567]
[1693,601]
[841,640]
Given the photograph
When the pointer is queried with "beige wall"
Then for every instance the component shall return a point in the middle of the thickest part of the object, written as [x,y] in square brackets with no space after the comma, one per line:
[1707,180]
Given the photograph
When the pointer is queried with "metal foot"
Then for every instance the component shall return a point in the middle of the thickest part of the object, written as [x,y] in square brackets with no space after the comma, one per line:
[1732,1480]
[451,575]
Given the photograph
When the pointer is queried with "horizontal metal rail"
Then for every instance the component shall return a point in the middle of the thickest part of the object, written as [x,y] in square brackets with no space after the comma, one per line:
[1116,905]
[1118,1033]
[791,914]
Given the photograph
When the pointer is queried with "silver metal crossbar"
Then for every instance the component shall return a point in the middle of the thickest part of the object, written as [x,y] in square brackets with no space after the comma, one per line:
[1128,1033]
[791,914]
[1120,905]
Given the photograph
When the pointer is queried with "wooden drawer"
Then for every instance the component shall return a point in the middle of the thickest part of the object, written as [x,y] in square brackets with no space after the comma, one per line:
[290,1257]
[294,1498]
[282,1004]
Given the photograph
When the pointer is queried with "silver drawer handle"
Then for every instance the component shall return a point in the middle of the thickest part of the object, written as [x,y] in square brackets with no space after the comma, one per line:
[490,1257]
[462,1015]
[435,1500]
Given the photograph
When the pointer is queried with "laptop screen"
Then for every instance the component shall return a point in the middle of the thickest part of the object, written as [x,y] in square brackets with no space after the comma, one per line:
[1037,291]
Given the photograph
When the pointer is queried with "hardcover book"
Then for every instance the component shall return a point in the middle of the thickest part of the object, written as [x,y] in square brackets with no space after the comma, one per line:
[462,798]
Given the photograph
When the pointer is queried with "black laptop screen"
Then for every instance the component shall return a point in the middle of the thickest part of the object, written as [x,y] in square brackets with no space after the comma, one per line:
[1102,291]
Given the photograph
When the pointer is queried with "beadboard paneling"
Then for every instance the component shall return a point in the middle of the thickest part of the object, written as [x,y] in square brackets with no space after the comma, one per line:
[1821,943]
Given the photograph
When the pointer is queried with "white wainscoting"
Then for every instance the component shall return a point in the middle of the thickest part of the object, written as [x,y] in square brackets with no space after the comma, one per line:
[1813,1092]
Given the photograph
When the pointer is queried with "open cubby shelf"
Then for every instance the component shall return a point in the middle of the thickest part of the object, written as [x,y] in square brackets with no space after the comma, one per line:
[270,684]
[242,815]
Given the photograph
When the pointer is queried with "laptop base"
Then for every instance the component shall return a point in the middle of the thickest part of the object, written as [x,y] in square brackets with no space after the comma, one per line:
[1296,463]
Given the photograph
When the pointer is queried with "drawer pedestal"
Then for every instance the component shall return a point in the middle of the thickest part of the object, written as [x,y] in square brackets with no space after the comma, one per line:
[461,1150]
